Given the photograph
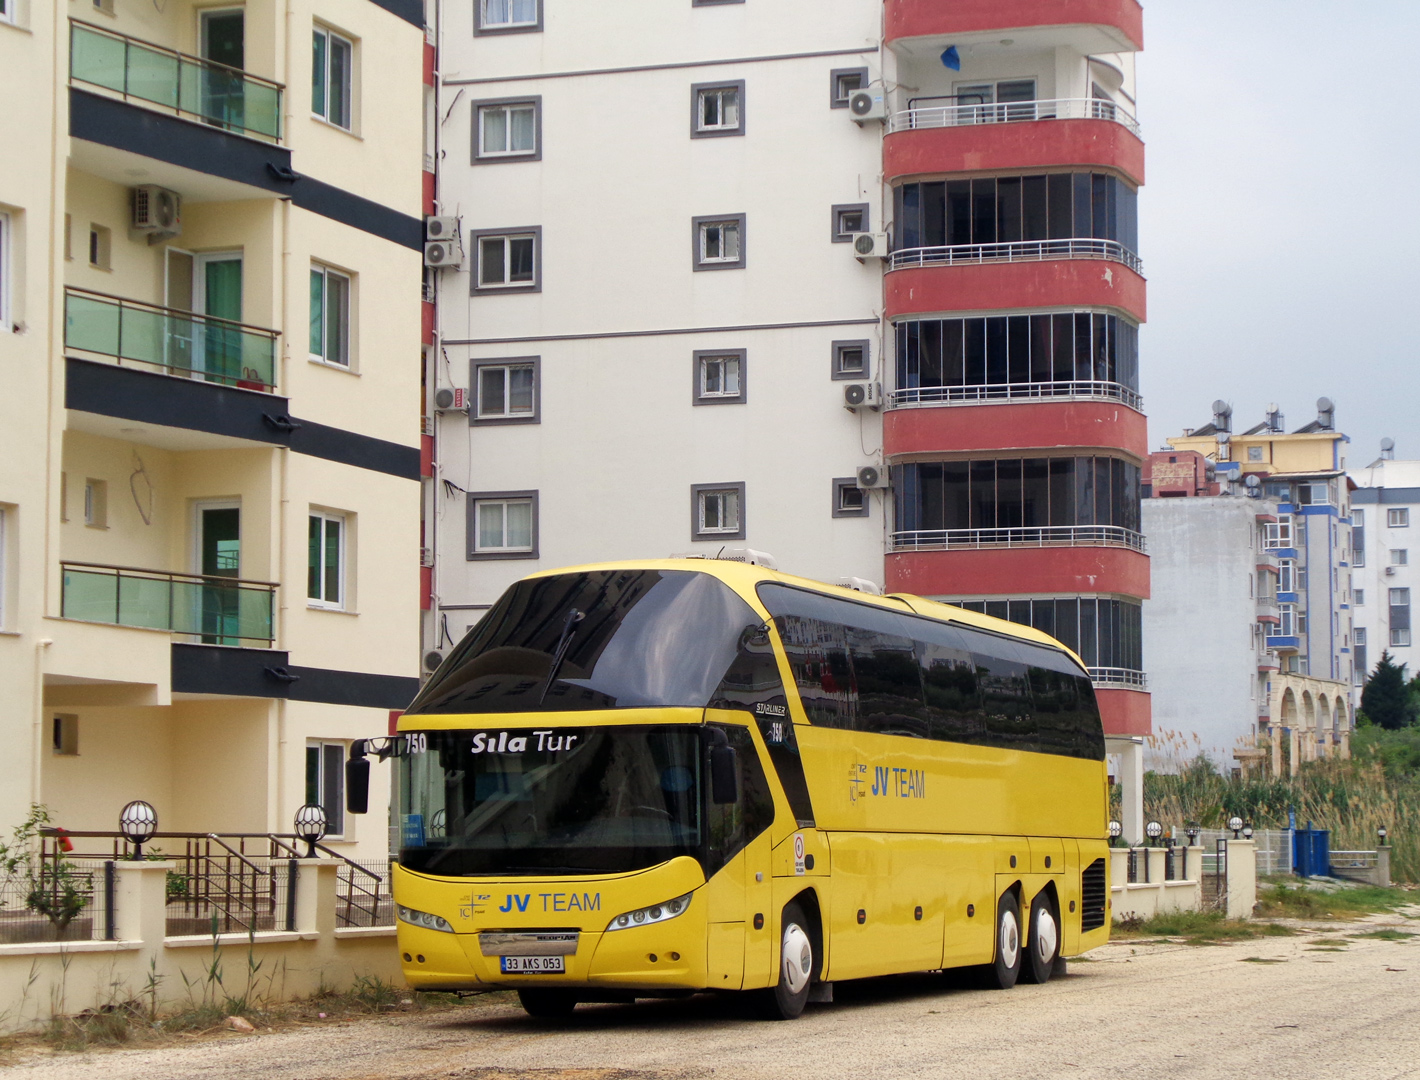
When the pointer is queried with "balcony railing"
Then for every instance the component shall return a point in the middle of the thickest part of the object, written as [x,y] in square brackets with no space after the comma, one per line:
[1016,251]
[180,342]
[1108,677]
[216,94]
[949,112]
[1028,536]
[1026,391]
[218,610]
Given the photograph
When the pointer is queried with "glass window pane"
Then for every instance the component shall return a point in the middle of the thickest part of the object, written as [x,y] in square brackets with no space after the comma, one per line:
[732,376]
[332,561]
[520,258]
[524,129]
[313,567]
[519,524]
[730,108]
[490,391]
[709,511]
[520,390]
[339,82]
[333,788]
[490,525]
[495,130]
[524,11]
[337,321]
[317,313]
[318,74]
[313,774]
[731,235]
[491,268]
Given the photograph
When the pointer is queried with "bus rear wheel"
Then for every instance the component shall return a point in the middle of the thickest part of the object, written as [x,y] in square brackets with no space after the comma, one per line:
[798,967]
[547,1004]
[1043,942]
[1002,973]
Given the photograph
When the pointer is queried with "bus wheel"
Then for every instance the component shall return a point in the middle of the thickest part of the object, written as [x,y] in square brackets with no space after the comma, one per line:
[1043,944]
[547,1004]
[1006,969]
[798,967]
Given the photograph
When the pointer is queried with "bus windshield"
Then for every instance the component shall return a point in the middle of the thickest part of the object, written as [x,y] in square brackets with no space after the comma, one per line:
[549,801]
[603,639]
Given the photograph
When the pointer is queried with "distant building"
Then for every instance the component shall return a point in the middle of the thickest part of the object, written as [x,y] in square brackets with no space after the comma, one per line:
[1384,503]
[1250,621]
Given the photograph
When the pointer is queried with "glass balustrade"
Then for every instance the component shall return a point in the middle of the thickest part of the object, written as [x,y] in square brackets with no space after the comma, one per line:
[216,610]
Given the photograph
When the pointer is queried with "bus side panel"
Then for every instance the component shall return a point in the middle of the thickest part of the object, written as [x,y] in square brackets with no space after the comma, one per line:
[759,960]
[860,862]
[1069,886]
[918,881]
[725,956]
[887,878]
[971,863]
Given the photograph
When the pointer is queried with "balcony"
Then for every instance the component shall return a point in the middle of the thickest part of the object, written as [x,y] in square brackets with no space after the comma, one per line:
[1016,251]
[1022,537]
[1091,26]
[178,343]
[945,112]
[919,396]
[187,86]
[1117,678]
[215,610]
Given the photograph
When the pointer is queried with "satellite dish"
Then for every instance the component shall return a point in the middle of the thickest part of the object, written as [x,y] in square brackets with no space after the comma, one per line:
[1252,481]
[1222,408]
[1325,404]
[1387,444]
[432,659]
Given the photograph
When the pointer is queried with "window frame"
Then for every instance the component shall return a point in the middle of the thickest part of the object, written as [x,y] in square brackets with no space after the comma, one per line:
[476,239]
[839,510]
[319,603]
[1397,517]
[321,746]
[1358,597]
[713,3]
[838,209]
[698,395]
[697,131]
[836,102]
[7,272]
[472,552]
[697,532]
[482,28]
[1400,637]
[5,567]
[698,223]
[476,390]
[326,271]
[483,157]
[318,29]
[839,372]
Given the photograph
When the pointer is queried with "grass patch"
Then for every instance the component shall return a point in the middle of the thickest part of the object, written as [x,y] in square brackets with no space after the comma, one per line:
[1331,941]
[1387,934]
[1262,960]
[1194,928]
[1325,948]
[1301,902]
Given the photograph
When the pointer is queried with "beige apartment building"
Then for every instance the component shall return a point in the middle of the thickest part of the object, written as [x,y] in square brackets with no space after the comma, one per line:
[210,259]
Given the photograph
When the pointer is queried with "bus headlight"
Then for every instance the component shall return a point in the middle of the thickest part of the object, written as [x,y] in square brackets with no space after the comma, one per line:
[653,914]
[421,918]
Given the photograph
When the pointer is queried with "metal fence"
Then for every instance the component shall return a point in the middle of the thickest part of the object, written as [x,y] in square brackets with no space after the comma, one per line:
[954,111]
[1016,251]
[1274,848]
[1075,390]
[1029,536]
[59,899]
[363,895]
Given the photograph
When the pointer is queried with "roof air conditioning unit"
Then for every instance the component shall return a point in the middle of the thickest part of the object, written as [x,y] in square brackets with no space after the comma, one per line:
[443,253]
[859,395]
[157,212]
[870,245]
[432,659]
[441,228]
[862,585]
[871,477]
[869,104]
[451,399]
[749,556]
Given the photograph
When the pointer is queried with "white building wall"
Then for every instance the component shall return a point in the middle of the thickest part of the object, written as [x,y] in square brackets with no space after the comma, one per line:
[1385,485]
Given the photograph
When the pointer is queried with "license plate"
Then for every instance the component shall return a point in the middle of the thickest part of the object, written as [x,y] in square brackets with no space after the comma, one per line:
[533,965]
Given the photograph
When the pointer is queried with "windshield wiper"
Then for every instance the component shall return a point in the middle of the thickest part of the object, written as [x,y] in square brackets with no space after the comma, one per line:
[563,644]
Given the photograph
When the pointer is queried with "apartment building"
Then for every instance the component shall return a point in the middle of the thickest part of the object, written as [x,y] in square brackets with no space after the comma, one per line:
[210,254]
[1385,499]
[1298,632]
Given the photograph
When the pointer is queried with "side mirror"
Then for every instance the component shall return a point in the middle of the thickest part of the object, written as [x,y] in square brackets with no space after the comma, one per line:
[724,776]
[357,781]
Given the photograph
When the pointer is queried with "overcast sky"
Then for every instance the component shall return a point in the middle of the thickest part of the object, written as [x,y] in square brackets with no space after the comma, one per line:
[1279,222]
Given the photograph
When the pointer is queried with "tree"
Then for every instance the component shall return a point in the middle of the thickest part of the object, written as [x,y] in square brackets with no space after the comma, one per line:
[1386,697]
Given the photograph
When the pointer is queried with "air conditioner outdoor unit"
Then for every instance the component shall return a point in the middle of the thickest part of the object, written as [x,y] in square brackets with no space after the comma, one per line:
[157,212]
[870,245]
[859,395]
[451,399]
[751,556]
[426,556]
[862,585]
[872,476]
[869,104]
[432,659]
[441,228]
[443,253]
[1390,571]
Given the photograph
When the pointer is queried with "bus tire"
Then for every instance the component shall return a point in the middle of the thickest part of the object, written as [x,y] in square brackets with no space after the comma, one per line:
[798,967]
[1005,969]
[1042,946]
[547,1004]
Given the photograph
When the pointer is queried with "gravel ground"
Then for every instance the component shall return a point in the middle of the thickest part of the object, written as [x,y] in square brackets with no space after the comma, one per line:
[1275,1007]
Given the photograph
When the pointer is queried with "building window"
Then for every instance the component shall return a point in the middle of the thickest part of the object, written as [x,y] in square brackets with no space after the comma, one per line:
[4,567]
[1317,494]
[719,377]
[713,3]
[1398,517]
[851,359]
[5,273]
[841,84]
[717,512]
[718,242]
[1105,633]
[507,391]
[1399,635]
[96,503]
[330,316]
[717,109]
[1301,622]
[1278,534]
[849,500]
[1287,626]
[1359,667]
[507,129]
[1286,576]
[332,77]
[1360,597]
[64,734]
[1254,453]
[1400,556]
[994,102]
[508,261]
[502,525]
[325,783]
[849,218]
[507,16]
[100,247]
[7,11]
[325,561]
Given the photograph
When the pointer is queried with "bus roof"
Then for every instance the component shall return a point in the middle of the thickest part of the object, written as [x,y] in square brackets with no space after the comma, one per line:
[743,577]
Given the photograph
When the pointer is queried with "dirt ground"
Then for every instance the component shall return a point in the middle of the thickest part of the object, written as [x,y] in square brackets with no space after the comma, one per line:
[1272,1008]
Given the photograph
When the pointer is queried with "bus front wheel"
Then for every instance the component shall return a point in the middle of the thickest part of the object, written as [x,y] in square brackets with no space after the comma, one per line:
[1043,944]
[547,1004]
[798,967]
[1003,972]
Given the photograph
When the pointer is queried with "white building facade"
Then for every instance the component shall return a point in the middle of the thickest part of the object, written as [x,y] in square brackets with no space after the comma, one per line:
[1385,512]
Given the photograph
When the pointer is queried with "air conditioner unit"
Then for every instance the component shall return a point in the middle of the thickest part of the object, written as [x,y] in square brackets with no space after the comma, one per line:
[441,228]
[859,395]
[451,399]
[870,245]
[426,556]
[443,253]
[157,212]
[748,555]
[872,476]
[432,659]
[862,585]
[869,104]
[426,425]
[1390,571]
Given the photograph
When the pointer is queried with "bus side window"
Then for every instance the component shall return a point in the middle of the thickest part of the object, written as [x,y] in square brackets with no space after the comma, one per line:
[818,656]
[889,683]
[734,825]
[949,678]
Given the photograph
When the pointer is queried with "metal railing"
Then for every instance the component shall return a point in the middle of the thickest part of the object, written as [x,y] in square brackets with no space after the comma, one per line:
[1077,390]
[1118,676]
[180,342]
[214,93]
[363,896]
[948,112]
[58,899]
[1353,860]
[219,610]
[1034,536]
[1016,251]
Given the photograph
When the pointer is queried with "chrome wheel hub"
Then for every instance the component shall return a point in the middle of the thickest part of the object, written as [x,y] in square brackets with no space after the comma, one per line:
[797,957]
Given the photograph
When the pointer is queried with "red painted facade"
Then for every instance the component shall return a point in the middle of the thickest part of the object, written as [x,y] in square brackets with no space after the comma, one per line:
[1125,712]
[1014,147]
[1093,283]
[1020,571]
[953,429]
[930,18]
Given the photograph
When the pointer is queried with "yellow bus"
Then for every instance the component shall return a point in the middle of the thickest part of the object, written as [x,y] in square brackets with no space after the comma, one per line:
[656,778]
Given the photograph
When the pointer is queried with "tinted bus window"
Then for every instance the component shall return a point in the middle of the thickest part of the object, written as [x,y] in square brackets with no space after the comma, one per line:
[889,682]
